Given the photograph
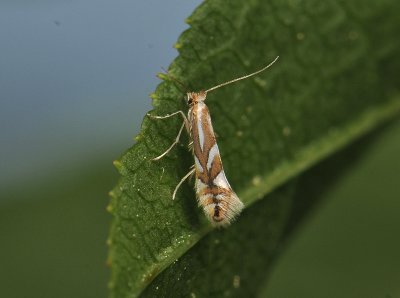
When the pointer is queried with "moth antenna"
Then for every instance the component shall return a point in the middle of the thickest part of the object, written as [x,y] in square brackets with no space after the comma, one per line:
[243,77]
[176,80]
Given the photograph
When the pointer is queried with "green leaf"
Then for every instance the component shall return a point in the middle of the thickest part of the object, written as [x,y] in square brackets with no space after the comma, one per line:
[335,81]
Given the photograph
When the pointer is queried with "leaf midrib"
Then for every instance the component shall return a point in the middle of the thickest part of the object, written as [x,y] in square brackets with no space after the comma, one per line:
[310,155]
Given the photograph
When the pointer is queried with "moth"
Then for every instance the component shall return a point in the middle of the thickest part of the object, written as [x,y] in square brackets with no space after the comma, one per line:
[214,194]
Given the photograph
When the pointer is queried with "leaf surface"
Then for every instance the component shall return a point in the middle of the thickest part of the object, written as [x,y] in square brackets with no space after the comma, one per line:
[335,82]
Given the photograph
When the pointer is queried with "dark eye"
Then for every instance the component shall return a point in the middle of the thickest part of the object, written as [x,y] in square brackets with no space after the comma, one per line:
[190,100]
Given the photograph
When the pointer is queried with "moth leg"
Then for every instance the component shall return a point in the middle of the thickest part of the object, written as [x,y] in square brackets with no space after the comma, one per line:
[173,144]
[182,180]
[190,146]
[185,124]
[185,120]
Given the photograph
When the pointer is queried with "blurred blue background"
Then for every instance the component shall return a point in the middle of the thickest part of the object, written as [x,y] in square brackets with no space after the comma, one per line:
[74,83]
[75,78]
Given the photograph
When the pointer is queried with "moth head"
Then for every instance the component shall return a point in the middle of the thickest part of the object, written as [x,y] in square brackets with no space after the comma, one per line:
[195,97]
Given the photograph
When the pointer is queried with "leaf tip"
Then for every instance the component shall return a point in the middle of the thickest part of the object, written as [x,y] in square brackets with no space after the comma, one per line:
[138,138]
[177,45]
[117,164]
[162,76]
[109,241]
[109,207]
[153,95]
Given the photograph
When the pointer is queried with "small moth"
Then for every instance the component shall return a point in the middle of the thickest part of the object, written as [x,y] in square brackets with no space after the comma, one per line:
[220,203]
